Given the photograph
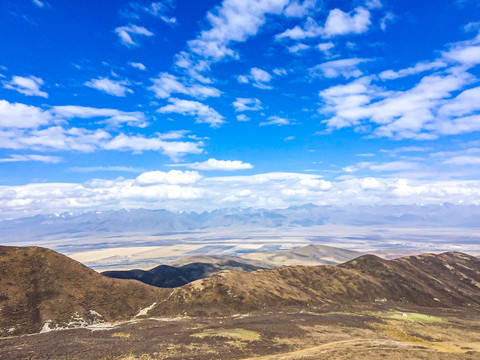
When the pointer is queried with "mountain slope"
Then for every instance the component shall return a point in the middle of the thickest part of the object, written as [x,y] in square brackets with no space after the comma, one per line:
[39,286]
[446,280]
[166,276]
[306,255]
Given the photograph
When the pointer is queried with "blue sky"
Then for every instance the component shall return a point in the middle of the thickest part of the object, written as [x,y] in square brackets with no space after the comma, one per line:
[197,105]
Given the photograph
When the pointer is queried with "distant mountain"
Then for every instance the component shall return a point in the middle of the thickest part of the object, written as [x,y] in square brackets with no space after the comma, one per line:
[445,280]
[163,221]
[40,288]
[307,255]
[166,276]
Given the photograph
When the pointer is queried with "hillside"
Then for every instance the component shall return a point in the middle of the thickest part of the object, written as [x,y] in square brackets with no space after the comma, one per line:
[188,269]
[446,280]
[166,276]
[306,255]
[41,289]
[39,286]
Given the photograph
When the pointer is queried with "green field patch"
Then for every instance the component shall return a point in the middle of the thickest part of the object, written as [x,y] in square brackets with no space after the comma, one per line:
[238,334]
[413,317]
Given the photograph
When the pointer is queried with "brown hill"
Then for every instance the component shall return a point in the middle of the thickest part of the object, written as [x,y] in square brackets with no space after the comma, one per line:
[166,276]
[446,280]
[39,286]
[312,254]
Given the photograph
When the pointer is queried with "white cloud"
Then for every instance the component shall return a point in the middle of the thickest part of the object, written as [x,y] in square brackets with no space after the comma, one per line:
[310,30]
[29,86]
[280,71]
[125,33]
[299,9]
[32,157]
[337,23]
[219,165]
[345,67]
[418,68]
[294,49]
[373,4]
[88,169]
[326,47]
[202,113]
[112,87]
[233,21]
[16,115]
[341,23]
[276,120]
[167,84]
[137,65]
[388,18]
[247,104]
[174,177]
[138,143]
[41,4]
[178,190]
[370,183]
[242,117]
[161,9]
[113,117]
[258,77]
[463,160]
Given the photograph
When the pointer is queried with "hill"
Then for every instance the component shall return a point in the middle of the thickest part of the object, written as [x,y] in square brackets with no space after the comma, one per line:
[445,280]
[186,270]
[306,255]
[166,276]
[40,288]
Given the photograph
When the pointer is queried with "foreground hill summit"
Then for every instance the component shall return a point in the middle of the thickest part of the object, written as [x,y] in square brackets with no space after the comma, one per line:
[445,280]
[43,290]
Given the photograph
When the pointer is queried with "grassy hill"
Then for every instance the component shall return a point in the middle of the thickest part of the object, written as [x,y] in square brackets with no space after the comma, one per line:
[445,280]
[39,286]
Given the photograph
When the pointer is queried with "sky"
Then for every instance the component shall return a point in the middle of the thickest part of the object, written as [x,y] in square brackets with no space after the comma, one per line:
[198,105]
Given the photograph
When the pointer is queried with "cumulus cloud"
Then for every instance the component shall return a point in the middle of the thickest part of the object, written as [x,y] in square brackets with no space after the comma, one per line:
[166,84]
[326,47]
[174,177]
[112,117]
[219,165]
[259,78]
[341,23]
[309,30]
[439,104]
[338,23]
[137,65]
[178,190]
[297,48]
[201,112]
[29,86]
[125,33]
[112,87]
[233,21]
[138,143]
[247,104]
[345,67]
[242,117]
[276,120]
[16,115]
[299,9]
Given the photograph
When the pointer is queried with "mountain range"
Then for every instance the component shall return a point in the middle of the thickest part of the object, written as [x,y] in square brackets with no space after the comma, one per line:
[162,221]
